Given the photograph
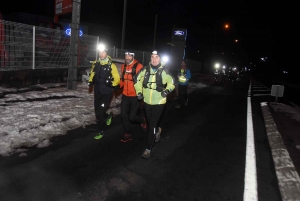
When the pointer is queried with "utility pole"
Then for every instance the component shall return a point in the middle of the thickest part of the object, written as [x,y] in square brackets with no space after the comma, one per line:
[124,22]
[215,39]
[155,32]
[73,64]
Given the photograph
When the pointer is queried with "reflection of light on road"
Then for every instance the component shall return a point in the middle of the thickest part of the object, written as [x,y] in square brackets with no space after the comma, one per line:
[250,186]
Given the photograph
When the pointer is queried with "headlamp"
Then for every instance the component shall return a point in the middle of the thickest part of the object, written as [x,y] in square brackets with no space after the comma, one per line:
[217,65]
[101,48]
[129,53]
[165,59]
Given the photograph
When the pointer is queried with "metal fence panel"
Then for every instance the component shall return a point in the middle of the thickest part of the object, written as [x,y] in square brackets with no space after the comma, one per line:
[16,45]
[28,47]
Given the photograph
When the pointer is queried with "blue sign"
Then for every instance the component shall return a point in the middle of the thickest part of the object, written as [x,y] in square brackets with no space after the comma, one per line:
[178,33]
[68,32]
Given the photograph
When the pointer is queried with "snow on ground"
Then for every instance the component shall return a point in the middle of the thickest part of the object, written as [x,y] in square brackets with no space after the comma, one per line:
[288,110]
[32,118]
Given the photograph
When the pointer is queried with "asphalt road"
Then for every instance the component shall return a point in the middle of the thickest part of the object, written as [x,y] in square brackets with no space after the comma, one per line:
[201,156]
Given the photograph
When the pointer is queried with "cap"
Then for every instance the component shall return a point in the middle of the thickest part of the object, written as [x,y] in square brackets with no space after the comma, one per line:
[129,53]
[155,52]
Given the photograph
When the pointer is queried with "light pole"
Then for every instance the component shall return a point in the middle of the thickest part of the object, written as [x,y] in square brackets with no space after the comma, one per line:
[215,41]
[124,22]
[73,65]
[155,32]
[226,26]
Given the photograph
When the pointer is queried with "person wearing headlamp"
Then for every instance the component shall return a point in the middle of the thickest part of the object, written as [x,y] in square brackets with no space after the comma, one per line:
[130,104]
[104,77]
[153,85]
[184,74]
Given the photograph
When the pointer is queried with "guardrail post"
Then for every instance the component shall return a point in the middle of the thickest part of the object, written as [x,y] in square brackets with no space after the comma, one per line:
[33,47]
[114,51]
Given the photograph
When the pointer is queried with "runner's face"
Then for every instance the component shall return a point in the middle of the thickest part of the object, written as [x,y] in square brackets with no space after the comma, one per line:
[128,58]
[102,55]
[155,60]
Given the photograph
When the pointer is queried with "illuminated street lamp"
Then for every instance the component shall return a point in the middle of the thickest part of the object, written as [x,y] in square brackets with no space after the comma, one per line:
[217,65]
[226,26]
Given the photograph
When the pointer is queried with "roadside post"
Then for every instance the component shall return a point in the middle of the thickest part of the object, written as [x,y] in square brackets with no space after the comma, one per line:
[277,91]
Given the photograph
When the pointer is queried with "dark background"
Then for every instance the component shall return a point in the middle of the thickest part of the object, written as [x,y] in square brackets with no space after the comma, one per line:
[263,28]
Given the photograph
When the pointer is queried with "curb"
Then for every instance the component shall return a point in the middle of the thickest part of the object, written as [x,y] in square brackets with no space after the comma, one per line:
[288,178]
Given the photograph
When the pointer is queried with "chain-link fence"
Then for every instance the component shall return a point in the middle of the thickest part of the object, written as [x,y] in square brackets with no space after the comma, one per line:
[46,46]
[29,47]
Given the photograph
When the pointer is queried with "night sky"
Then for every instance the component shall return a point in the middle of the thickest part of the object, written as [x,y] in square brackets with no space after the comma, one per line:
[263,29]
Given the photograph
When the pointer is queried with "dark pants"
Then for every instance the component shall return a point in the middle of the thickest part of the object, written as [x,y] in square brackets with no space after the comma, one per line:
[153,113]
[101,105]
[162,117]
[182,94]
[129,112]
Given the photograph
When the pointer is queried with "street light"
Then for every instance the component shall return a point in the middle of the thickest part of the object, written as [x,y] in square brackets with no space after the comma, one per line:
[226,26]
[124,24]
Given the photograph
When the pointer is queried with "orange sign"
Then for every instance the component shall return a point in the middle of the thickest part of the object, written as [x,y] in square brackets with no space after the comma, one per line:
[62,7]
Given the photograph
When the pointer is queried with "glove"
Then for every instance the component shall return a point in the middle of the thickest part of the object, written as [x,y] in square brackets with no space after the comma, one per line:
[140,96]
[90,87]
[164,93]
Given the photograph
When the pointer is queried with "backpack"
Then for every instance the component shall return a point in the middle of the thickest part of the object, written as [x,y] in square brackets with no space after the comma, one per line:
[133,72]
[159,84]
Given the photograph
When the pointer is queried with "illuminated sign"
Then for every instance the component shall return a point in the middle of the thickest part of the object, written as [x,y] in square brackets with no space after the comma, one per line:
[68,32]
[62,7]
[178,33]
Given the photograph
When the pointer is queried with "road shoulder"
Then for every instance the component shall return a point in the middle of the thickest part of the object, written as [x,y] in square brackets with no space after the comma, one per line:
[275,122]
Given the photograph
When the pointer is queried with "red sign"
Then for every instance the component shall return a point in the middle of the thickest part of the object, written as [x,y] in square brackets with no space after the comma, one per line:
[62,7]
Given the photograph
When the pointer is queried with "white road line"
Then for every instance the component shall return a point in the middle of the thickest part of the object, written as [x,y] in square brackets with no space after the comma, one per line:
[261,90]
[261,94]
[250,181]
